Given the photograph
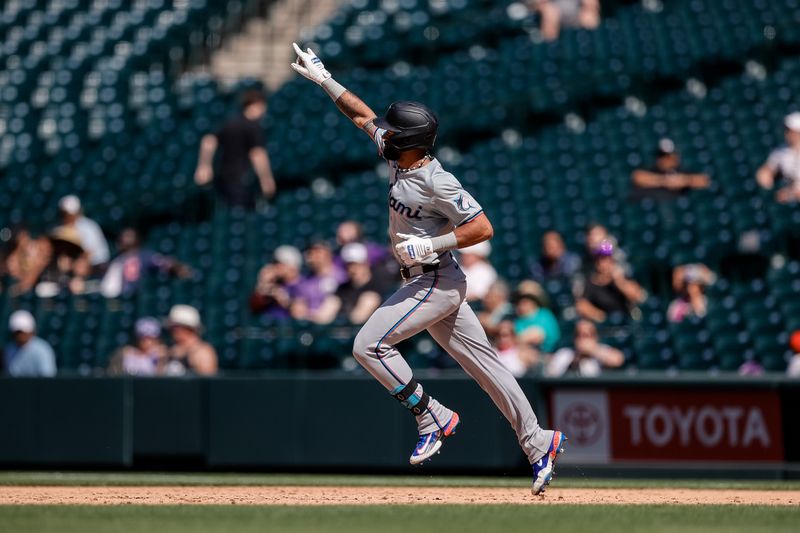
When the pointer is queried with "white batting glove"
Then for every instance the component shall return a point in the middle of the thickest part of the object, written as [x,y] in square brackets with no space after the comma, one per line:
[413,249]
[309,65]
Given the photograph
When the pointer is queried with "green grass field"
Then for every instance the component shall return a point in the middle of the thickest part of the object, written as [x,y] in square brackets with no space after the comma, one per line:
[386,518]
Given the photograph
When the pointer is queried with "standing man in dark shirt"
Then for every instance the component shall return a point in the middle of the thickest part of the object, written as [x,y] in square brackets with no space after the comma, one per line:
[241,140]
[665,180]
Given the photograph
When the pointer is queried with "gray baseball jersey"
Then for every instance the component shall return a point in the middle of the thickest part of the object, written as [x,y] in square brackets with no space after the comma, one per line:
[428,202]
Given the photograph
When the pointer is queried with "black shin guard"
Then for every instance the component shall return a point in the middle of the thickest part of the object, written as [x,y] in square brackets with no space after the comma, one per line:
[407,395]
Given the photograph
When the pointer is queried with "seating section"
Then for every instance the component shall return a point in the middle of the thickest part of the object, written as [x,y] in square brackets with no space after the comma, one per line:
[545,134]
[478,89]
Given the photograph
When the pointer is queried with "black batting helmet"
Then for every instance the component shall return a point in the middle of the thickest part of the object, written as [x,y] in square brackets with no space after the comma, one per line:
[413,125]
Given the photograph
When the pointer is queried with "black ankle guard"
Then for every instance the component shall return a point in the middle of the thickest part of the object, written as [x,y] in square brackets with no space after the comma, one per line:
[406,396]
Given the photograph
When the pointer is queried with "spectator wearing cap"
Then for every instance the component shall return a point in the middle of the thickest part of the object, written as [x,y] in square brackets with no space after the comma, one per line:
[350,231]
[555,262]
[146,356]
[666,179]
[189,353]
[495,307]
[784,163]
[793,370]
[277,283]
[27,355]
[89,233]
[356,299]
[595,235]
[586,357]
[689,283]
[480,274]
[126,270]
[535,325]
[313,289]
[382,263]
[606,289]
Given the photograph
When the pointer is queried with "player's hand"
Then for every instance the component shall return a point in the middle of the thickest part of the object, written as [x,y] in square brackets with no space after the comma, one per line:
[413,249]
[203,174]
[309,65]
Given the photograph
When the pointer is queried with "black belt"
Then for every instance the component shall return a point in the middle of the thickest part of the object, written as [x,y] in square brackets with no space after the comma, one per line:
[409,272]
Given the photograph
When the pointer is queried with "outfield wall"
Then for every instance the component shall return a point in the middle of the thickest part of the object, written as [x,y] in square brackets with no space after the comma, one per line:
[343,423]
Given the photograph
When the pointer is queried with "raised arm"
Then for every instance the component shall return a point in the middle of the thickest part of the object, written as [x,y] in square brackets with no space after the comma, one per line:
[205,170]
[310,67]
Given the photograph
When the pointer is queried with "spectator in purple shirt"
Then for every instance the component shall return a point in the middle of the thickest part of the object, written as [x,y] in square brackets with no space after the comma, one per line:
[126,270]
[555,261]
[313,289]
[277,284]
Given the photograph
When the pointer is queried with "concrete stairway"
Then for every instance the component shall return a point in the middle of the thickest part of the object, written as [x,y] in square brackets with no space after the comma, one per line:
[263,50]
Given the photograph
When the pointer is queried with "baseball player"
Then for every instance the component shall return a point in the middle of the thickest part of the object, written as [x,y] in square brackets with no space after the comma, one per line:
[431,214]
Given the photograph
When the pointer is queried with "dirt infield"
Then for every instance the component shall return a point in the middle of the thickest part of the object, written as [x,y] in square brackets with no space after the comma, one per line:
[281,495]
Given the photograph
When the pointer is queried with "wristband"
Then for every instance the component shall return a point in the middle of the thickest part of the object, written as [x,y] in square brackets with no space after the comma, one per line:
[444,242]
[333,88]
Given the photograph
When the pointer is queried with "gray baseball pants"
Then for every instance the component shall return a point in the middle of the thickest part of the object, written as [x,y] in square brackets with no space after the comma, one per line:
[435,301]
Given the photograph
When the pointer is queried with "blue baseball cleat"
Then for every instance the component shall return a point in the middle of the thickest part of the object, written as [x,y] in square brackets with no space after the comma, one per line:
[429,443]
[544,468]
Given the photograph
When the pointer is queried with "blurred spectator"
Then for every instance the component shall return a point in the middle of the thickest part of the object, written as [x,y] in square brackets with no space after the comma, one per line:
[479,272]
[751,368]
[25,259]
[556,14]
[189,353]
[27,355]
[90,236]
[689,283]
[241,140]
[666,180]
[587,356]
[607,290]
[555,261]
[784,163]
[384,267]
[495,307]
[535,324]
[356,299]
[126,270]
[516,356]
[146,356]
[311,301]
[596,234]
[277,284]
[350,231]
[69,265]
[793,370]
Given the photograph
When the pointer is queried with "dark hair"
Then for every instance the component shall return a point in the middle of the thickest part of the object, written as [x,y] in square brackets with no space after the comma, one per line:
[250,97]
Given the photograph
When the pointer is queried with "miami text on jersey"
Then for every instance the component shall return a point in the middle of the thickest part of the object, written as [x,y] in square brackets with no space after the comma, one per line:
[402,209]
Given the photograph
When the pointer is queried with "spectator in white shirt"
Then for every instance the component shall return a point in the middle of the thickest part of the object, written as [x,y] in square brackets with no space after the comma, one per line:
[784,162]
[479,272]
[91,236]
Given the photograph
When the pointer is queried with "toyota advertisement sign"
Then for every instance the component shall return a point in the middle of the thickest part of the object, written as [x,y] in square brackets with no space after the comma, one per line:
[669,425]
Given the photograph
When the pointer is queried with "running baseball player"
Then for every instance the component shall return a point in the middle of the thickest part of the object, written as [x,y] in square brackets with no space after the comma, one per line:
[431,214]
